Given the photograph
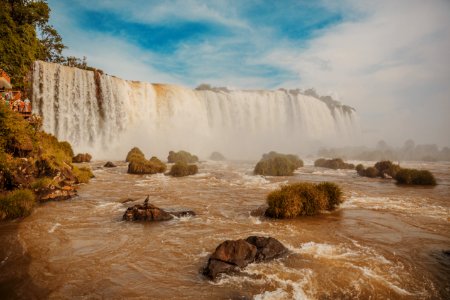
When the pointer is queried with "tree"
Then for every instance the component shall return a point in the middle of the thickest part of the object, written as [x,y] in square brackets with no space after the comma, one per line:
[52,44]
[20,46]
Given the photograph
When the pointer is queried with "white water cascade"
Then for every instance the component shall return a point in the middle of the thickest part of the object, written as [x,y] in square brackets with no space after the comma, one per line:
[106,116]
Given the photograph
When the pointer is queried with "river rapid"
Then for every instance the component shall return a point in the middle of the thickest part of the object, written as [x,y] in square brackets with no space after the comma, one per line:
[385,241]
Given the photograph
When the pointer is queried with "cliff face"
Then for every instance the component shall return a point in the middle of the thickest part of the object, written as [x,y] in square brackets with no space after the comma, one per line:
[34,165]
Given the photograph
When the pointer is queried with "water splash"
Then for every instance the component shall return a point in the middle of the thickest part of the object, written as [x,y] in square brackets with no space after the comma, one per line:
[106,116]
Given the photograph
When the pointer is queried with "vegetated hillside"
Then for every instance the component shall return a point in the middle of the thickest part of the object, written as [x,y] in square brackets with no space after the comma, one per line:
[34,165]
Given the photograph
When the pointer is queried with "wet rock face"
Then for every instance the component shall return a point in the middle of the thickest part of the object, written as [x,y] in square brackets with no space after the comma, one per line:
[82,157]
[230,256]
[149,212]
[267,247]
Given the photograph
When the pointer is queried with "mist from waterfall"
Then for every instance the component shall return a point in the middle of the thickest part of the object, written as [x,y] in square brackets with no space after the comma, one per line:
[106,116]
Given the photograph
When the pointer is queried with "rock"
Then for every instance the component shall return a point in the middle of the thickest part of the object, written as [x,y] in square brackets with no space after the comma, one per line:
[230,256]
[186,213]
[149,212]
[239,253]
[80,158]
[267,247]
[109,165]
[53,193]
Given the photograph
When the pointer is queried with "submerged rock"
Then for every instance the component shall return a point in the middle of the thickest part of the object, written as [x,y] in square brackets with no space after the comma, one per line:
[230,256]
[110,164]
[149,212]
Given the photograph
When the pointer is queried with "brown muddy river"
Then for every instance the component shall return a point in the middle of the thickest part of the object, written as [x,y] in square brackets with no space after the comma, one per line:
[384,242]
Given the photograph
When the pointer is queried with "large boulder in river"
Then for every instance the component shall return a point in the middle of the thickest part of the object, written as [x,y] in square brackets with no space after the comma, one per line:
[149,212]
[81,158]
[230,256]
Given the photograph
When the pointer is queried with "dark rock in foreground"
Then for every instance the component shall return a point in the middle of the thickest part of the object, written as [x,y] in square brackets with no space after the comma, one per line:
[110,164]
[149,212]
[230,256]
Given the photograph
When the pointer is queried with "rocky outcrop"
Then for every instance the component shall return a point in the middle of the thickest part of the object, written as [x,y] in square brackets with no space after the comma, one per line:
[149,212]
[53,193]
[109,164]
[82,157]
[230,256]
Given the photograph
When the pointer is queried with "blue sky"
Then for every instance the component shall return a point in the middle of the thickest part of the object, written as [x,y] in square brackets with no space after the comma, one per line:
[388,59]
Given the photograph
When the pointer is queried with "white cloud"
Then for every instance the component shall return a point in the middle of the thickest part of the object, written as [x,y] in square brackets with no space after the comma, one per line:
[392,65]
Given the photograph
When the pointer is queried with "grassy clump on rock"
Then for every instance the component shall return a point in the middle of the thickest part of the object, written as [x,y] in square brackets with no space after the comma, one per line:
[303,199]
[83,174]
[16,204]
[335,163]
[138,164]
[415,177]
[182,156]
[181,169]
[134,153]
[277,164]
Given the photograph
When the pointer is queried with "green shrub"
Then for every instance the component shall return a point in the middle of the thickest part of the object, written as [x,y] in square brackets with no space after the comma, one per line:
[134,153]
[15,204]
[41,183]
[371,172]
[82,175]
[300,199]
[182,156]
[333,193]
[277,164]
[181,169]
[335,163]
[386,167]
[217,156]
[415,177]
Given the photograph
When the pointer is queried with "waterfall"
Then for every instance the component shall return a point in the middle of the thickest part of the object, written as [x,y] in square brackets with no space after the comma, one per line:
[106,116]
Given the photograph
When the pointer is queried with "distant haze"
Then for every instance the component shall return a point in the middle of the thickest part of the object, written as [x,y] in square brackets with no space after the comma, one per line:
[387,59]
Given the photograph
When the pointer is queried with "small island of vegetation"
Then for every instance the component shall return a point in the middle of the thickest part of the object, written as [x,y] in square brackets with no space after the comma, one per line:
[303,199]
[277,164]
[335,163]
[138,164]
[182,156]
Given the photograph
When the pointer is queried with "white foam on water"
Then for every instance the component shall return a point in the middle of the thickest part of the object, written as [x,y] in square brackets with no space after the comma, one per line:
[255,220]
[53,228]
[405,205]
[386,282]
[278,294]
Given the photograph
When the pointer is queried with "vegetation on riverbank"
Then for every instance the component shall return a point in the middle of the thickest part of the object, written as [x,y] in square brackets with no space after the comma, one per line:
[33,161]
[277,164]
[303,199]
